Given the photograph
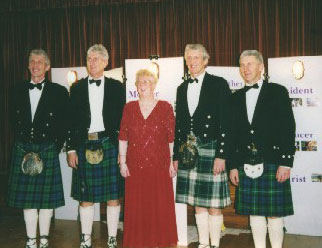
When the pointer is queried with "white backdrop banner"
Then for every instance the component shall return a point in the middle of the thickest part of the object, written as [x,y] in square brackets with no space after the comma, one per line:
[171,71]
[306,176]
[231,74]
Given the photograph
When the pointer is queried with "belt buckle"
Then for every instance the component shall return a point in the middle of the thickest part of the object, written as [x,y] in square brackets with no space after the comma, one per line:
[93,136]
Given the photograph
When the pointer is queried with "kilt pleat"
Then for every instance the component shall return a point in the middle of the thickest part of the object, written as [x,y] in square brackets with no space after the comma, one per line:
[199,187]
[43,191]
[264,196]
[100,182]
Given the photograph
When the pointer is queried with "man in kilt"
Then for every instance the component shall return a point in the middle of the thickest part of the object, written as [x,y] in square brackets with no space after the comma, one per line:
[96,105]
[202,115]
[38,113]
[263,138]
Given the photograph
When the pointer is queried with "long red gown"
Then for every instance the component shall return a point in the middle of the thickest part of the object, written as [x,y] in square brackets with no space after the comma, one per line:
[149,211]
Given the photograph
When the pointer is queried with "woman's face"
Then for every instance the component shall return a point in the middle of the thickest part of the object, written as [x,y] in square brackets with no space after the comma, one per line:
[145,86]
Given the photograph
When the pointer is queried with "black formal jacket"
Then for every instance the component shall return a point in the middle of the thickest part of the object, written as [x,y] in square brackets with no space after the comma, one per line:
[49,124]
[211,119]
[80,114]
[272,129]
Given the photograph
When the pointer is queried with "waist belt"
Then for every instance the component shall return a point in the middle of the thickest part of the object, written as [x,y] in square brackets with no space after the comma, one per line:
[97,135]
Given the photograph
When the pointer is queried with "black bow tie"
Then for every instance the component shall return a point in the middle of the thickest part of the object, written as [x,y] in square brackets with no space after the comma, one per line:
[248,87]
[98,82]
[192,80]
[32,86]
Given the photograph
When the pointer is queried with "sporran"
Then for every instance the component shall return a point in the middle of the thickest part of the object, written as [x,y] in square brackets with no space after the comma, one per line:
[32,164]
[94,154]
[254,166]
[188,153]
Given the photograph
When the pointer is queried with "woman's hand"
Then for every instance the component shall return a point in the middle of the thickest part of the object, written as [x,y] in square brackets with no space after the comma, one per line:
[124,170]
[172,170]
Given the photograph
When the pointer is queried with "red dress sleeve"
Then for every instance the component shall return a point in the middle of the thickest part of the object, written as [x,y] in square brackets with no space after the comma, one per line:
[170,123]
[123,135]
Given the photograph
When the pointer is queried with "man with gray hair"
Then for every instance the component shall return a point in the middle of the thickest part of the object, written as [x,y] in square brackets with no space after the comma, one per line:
[39,121]
[202,144]
[96,106]
[263,154]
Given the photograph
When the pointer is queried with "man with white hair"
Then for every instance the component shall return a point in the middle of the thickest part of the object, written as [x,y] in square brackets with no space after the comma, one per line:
[39,121]
[263,154]
[202,126]
[96,105]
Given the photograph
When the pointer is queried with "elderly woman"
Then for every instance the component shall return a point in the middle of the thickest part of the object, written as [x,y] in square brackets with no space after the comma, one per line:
[145,151]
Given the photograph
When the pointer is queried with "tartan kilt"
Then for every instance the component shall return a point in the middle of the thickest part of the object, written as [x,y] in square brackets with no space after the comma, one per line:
[42,191]
[199,187]
[99,182]
[264,196]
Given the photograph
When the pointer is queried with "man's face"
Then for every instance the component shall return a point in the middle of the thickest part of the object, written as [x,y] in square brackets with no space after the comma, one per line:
[37,67]
[96,64]
[195,62]
[250,69]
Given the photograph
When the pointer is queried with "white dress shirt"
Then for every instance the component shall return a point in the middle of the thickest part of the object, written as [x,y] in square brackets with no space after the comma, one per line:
[193,93]
[251,100]
[34,96]
[96,98]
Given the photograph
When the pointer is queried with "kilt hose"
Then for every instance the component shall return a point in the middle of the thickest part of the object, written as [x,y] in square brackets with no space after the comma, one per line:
[42,191]
[199,187]
[97,182]
[264,196]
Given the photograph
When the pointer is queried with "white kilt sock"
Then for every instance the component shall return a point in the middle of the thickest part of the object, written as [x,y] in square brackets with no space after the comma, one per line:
[112,218]
[86,217]
[202,221]
[31,220]
[259,229]
[44,221]
[215,223]
[276,232]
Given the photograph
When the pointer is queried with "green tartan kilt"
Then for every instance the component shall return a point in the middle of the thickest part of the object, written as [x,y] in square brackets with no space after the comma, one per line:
[264,196]
[42,191]
[199,187]
[97,182]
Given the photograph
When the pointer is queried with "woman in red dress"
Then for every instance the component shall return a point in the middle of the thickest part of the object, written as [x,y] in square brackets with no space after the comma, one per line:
[145,156]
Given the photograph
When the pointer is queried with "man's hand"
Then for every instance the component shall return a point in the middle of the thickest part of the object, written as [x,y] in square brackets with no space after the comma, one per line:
[234,177]
[219,166]
[282,174]
[72,159]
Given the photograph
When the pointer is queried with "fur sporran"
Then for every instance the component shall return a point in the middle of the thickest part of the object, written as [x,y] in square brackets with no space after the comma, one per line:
[32,164]
[94,154]
[188,153]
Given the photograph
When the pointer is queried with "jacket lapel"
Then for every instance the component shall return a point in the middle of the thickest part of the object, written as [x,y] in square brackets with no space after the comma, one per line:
[185,107]
[42,101]
[203,93]
[25,98]
[105,97]
[262,98]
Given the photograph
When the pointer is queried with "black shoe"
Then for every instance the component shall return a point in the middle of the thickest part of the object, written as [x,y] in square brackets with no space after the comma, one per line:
[45,243]
[83,244]
[111,242]
[31,243]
